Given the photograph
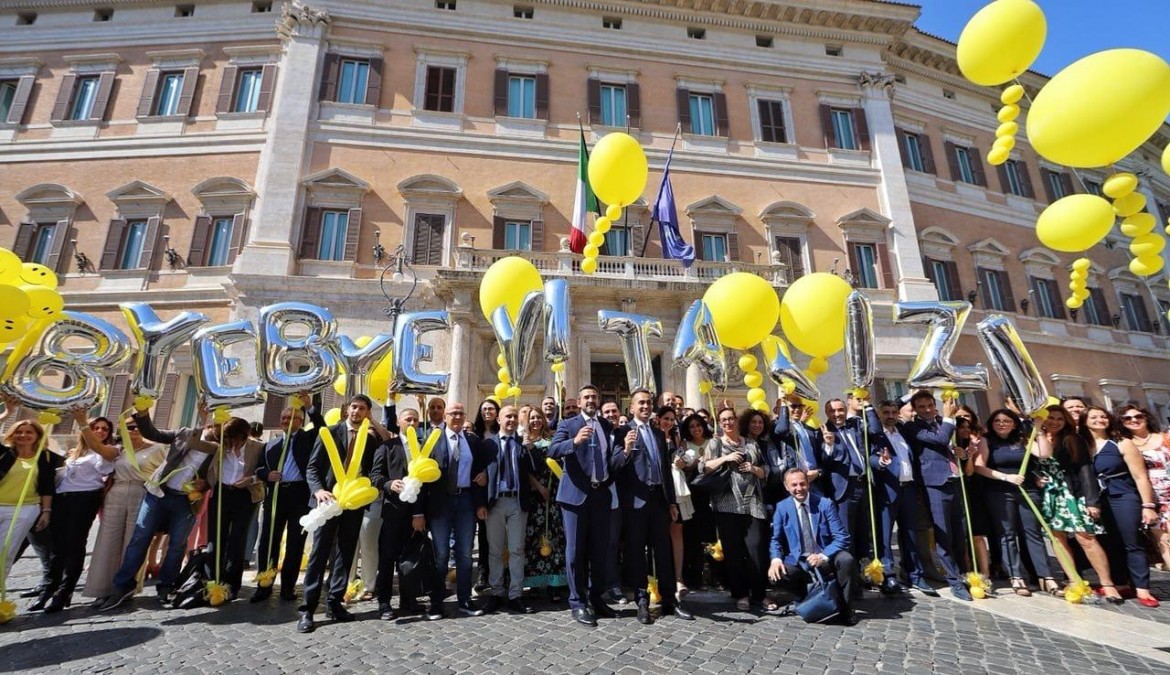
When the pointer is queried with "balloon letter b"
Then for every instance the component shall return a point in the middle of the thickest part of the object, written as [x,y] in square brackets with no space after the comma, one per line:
[279,350]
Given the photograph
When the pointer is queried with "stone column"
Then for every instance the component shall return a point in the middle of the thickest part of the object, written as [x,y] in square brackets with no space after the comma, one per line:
[458,388]
[692,397]
[271,236]
[893,194]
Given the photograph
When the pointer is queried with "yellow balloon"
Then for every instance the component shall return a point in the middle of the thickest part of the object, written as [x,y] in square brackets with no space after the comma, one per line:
[501,361]
[10,267]
[332,416]
[514,392]
[37,275]
[1165,167]
[1076,285]
[363,340]
[558,367]
[379,379]
[744,309]
[14,302]
[997,156]
[1101,108]
[1012,95]
[1130,204]
[591,250]
[339,384]
[1001,41]
[1004,142]
[1007,129]
[589,265]
[1075,223]
[761,406]
[618,170]
[501,390]
[597,238]
[812,313]
[753,379]
[756,394]
[1146,266]
[43,302]
[1008,113]
[1074,303]
[613,212]
[12,328]
[1082,264]
[602,225]
[1145,245]
[506,283]
[1138,224]
[748,363]
[704,386]
[1119,185]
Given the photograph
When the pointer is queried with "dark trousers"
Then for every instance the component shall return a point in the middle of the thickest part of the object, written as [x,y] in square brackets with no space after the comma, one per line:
[946,514]
[228,548]
[1013,519]
[586,541]
[292,502]
[74,513]
[692,567]
[396,531]
[903,511]
[481,544]
[334,541]
[842,569]
[650,525]
[1122,518]
[742,537]
[455,517]
[613,555]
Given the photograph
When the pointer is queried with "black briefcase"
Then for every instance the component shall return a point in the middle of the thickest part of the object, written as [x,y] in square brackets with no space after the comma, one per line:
[416,567]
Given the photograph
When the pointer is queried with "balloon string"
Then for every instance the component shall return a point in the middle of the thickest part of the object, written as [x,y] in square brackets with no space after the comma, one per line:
[966,505]
[15,515]
[219,506]
[869,487]
[1066,562]
[276,493]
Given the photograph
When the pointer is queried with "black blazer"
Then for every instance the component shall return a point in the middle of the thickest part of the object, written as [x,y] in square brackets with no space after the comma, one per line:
[320,471]
[633,470]
[47,465]
[390,464]
[300,445]
[436,494]
[495,466]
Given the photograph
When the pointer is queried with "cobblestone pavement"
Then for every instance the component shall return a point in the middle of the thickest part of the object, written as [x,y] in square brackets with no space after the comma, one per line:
[910,634]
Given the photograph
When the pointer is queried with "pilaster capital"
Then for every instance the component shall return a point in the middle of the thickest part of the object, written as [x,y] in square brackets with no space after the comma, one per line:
[300,20]
[872,83]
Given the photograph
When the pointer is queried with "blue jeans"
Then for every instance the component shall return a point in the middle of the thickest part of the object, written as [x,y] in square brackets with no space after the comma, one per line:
[458,517]
[171,512]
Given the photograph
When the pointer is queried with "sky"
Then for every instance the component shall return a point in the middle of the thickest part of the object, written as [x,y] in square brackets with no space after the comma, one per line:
[1076,28]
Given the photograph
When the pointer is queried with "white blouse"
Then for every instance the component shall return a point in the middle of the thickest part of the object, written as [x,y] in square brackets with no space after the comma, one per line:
[83,474]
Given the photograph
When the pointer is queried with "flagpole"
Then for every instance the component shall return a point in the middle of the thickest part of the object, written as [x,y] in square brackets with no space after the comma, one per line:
[673,142]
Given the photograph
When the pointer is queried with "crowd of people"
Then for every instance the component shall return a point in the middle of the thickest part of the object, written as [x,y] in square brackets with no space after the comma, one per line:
[598,505]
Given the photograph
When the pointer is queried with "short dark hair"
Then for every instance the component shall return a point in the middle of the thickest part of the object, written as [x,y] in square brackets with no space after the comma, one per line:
[834,400]
[664,409]
[587,386]
[795,469]
[921,394]
[361,398]
[641,390]
[890,403]
[257,429]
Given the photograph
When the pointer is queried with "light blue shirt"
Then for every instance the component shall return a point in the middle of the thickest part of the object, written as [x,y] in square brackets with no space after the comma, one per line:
[291,472]
[464,478]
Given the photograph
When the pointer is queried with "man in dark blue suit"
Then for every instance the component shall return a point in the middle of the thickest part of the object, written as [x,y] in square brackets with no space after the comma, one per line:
[936,468]
[844,464]
[807,443]
[807,533]
[896,499]
[292,499]
[585,444]
[400,520]
[646,492]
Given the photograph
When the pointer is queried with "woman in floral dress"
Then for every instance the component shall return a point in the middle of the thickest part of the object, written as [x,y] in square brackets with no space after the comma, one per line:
[544,549]
[1143,430]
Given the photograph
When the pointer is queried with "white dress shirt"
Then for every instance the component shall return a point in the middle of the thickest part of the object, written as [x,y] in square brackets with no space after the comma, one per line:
[83,474]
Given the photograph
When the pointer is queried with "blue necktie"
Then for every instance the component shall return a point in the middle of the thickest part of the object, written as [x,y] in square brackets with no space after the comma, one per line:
[652,456]
[509,465]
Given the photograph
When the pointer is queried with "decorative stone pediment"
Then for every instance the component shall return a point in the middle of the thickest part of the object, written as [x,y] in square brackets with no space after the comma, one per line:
[988,253]
[139,199]
[786,211]
[224,195]
[937,243]
[517,192]
[429,187]
[713,206]
[1039,256]
[49,202]
[335,179]
[863,218]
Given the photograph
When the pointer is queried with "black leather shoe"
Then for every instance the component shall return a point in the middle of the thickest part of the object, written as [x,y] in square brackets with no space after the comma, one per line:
[58,602]
[435,611]
[644,617]
[305,623]
[850,619]
[469,609]
[39,604]
[518,606]
[385,613]
[338,613]
[891,587]
[584,617]
[604,611]
[492,605]
[679,611]
[33,592]
[262,593]
[410,607]
[288,594]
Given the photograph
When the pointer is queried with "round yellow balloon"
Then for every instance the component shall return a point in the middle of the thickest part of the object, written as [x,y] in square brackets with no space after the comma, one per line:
[501,390]
[1012,94]
[597,238]
[602,225]
[756,394]
[12,328]
[744,309]
[812,313]
[1146,266]
[1074,303]
[332,416]
[753,379]
[1001,41]
[1075,223]
[14,302]
[613,212]
[1129,205]
[618,170]
[1100,108]
[591,250]
[1146,245]
[1082,264]
[506,283]
[589,265]
[43,302]
[1165,167]
[1008,113]
[514,392]
[1119,185]
[10,267]
[761,406]
[1138,224]
[34,274]
[748,363]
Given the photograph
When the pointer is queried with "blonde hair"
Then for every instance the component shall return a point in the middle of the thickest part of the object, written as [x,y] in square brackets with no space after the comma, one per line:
[40,431]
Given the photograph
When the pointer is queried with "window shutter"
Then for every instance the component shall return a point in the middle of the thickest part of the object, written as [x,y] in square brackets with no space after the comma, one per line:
[267,86]
[593,93]
[1143,315]
[501,93]
[537,235]
[637,239]
[1005,185]
[854,264]
[498,227]
[683,97]
[113,244]
[227,90]
[116,397]
[57,247]
[634,104]
[150,243]
[374,83]
[792,256]
[1045,178]
[977,171]
[187,94]
[953,278]
[1057,302]
[353,230]
[722,123]
[1005,284]
[1102,307]
[929,269]
[953,162]
[927,154]
[273,407]
[24,235]
[1025,180]
[166,401]
[428,238]
[101,100]
[862,128]
[542,96]
[20,99]
[311,232]
[1067,184]
[330,74]
[733,246]
[827,126]
[64,96]
[886,265]
[149,87]
[239,234]
[901,134]
[196,256]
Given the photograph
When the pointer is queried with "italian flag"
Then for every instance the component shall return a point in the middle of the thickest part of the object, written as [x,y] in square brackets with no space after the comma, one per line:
[585,201]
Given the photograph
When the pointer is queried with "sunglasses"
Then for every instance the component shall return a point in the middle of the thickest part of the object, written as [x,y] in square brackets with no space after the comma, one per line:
[1132,418]
[131,428]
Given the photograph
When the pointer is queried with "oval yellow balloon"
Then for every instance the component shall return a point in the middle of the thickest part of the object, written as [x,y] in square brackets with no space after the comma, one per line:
[1008,113]
[1073,303]
[1145,267]
[1138,224]
[1165,167]
[10,267]
[339,384]
[597,238]
[1147,245]
[1007,129]
[1012,94]
[1100,108]
[506,283]
[591,250]
[1082,264]
[744,309]
[332,416]
[812,313]
[613,212]
[501,390]
[618,170]
[1119,185]
[1129,205]
[602,225]
[1006,142]
[997,156]
[753,379]
[34,274]
[1075,223]
[589,265]
[1001,41]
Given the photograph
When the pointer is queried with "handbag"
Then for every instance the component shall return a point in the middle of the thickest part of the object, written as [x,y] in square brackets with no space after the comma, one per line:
[416,567]
[823,601]
[712,482]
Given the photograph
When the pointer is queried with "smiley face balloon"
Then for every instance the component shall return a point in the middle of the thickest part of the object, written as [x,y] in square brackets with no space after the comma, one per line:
[12,328]
[14,302]
[44,303]
[10,267]
[34,274]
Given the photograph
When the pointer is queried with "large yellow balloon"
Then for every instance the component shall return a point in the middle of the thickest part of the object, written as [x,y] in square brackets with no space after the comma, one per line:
[1001,41]
[1075,223]
[1166,160]
[812,313]
[332,416]
[744,309]
[618,169]
[1101,108]
[10,267]
[506,283]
